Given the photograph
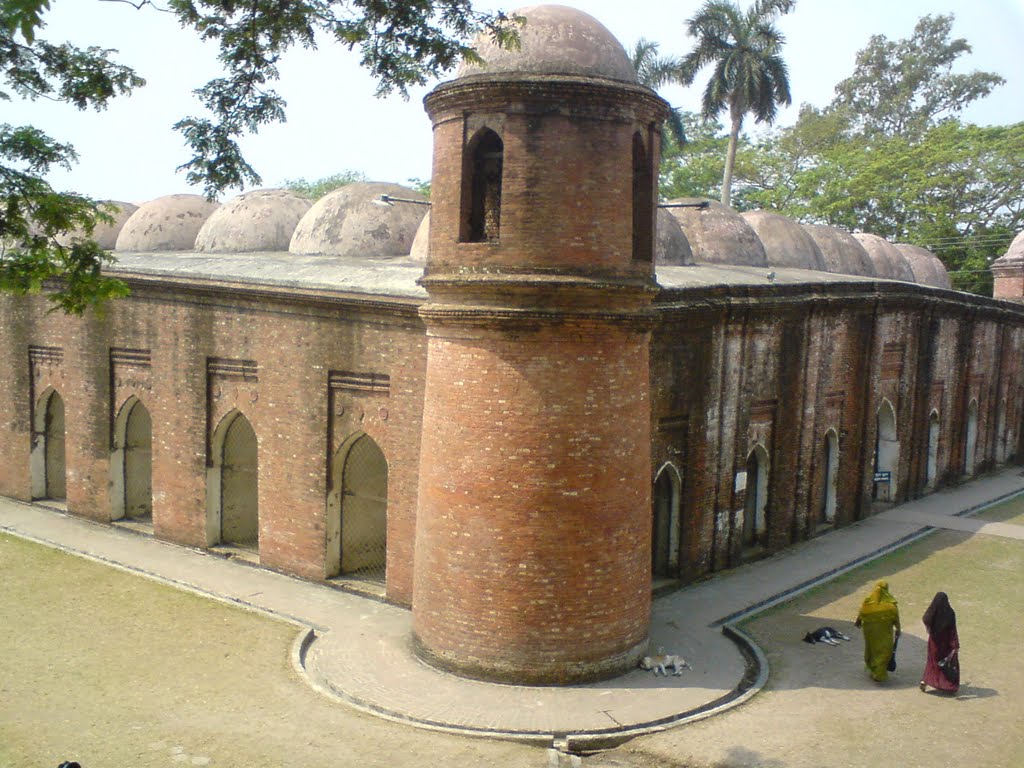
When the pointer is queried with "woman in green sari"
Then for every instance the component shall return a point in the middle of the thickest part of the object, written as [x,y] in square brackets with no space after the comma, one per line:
[879,618]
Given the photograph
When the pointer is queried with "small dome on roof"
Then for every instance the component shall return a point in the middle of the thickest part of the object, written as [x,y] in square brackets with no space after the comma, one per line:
[671,248]
[1015,252]
[168,223]
[421,243]
[555,40]
[719,235]
[842,252]
[105,234]
[261,220]
[785,242]
[889,262]
[927,268]
[354,221]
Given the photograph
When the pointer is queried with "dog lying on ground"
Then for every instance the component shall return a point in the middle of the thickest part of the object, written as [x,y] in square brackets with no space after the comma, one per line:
[661,663]
[825,635]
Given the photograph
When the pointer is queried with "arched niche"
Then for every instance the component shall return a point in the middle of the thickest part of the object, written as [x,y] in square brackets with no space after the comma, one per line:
[755,505]
[47,460]
[131,463]
[357,510]
[232,497]
[666,526]
[887,452]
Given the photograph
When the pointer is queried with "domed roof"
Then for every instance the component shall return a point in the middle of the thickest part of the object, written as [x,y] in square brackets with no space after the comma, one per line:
[889,262]
[671,248]
[261,220]
[785,242]
[421,243]
[1014,253]
[105,234]
[719,235]
[842,252]
[927,268]
[168,223]
[555,40]
[353,221]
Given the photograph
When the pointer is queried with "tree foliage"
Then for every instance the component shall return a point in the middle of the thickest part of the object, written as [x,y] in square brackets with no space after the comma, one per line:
[402,43]
[748,72]
[906,86]
[889,156]
[317,188]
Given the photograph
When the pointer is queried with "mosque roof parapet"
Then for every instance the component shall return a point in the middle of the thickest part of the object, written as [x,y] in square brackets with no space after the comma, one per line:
[889,262]
[355,221]
[169,223]
[261,220]
[717,234]
[105,233]
[786,243]
[671,246]
[927,268]
[842,252]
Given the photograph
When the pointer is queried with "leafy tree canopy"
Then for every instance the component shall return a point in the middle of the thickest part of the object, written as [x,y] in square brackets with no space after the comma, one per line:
[317,188]
[402,43]
[905,86]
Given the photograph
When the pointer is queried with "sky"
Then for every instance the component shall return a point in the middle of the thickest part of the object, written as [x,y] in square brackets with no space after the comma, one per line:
[129,152]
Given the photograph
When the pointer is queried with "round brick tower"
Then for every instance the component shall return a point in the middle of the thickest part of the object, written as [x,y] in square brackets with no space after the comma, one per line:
[533,532]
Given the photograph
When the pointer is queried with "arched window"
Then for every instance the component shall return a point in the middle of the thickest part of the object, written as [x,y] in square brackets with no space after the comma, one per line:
[357,507]
[131,463]
[971,441]
[643,202]
[755,518]
[665,525]
[932,469]
[828,511]
[481,188]
[887,453]
[233,484]
[47,458]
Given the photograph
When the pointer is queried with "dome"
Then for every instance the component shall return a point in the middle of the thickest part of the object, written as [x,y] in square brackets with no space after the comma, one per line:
[842,252]
[785,242]
[421,242]
[555,40]
[1015,253]
[262,220]
[105,234]
[168,223]
[671,248]
[353,221]
[889,262]
[927,268]
[719,235]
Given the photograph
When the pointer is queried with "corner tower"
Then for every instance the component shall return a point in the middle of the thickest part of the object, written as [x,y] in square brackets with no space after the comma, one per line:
[533,527]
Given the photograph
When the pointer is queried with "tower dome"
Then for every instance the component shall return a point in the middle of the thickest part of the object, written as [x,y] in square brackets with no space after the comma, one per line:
[554,40]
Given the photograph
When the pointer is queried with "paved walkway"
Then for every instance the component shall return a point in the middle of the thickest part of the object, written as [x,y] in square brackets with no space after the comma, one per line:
[357,649]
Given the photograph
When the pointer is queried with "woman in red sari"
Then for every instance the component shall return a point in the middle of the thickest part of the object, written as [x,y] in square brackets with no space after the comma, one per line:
[942,670]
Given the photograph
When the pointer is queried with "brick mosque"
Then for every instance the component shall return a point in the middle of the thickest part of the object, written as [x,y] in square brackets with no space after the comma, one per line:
[519,408]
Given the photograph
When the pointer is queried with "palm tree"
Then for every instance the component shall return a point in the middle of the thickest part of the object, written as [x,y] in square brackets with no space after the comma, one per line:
[749,73]
[654,70]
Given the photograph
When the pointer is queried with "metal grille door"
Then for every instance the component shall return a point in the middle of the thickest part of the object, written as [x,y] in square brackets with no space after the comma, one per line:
[364,508]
